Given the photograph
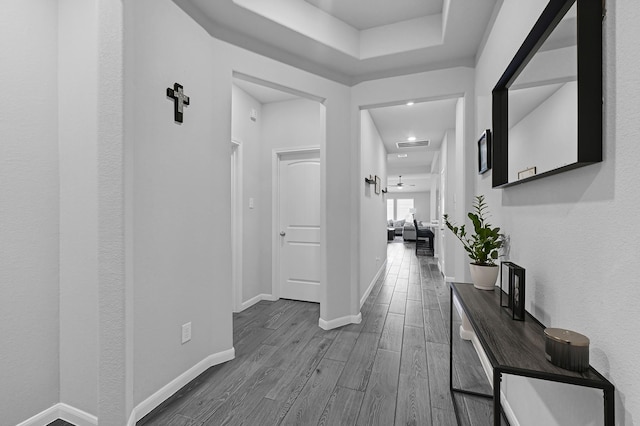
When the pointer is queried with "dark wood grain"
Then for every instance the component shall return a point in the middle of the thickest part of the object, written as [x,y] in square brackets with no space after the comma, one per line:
[342,408]
[398,302]
[298,367]
[414,353]
[444,417]
[435,327]
[390,374]
[438,365]
[508,343]
[310,403]
[360,363]
[414,292]
[342,345]
[385,295]
[378,406]
[391,338]
[402,285]
[414,316]
[375,319]
[233,408]
[413,406]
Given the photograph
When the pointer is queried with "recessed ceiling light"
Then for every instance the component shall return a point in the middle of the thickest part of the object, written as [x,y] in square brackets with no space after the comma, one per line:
[411,138]
[409,103]
[402,155]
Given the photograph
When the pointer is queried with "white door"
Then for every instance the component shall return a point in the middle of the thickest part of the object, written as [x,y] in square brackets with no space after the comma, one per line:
[299,236]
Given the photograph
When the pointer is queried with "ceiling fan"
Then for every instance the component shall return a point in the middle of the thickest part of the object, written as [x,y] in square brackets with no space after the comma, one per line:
[400,185]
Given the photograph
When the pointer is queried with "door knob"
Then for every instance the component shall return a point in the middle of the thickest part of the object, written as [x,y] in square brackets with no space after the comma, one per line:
[282,233]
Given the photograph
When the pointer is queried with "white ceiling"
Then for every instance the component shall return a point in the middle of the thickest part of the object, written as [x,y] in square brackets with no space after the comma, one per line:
[424,121]
[366,14]
[350,41]
[263,94]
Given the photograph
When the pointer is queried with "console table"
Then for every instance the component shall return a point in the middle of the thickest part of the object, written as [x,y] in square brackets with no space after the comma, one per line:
[514,347]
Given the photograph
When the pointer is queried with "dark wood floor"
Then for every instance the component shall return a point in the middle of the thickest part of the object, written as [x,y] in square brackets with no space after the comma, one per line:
[391,369]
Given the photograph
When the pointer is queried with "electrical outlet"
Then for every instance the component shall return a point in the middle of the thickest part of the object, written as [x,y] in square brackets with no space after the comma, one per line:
[186,332]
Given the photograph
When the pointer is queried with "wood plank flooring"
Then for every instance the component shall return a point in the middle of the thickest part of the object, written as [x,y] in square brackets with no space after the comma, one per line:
[391,369]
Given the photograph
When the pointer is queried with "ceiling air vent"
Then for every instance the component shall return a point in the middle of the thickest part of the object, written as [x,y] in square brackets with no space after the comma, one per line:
[414,144]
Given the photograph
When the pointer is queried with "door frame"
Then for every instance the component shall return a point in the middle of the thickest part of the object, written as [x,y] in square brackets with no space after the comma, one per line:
[276,156]
[236,224]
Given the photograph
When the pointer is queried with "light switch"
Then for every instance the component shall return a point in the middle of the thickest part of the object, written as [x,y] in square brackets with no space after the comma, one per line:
[250,203]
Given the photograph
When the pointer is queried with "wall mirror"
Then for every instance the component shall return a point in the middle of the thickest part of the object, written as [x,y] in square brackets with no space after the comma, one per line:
[547,106]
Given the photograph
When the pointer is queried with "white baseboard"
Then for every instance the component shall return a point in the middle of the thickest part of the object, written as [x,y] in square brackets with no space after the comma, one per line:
[372,283]
[249,303]
[75,416]
[64,412]
[449,279]
[146,406]
[339,322]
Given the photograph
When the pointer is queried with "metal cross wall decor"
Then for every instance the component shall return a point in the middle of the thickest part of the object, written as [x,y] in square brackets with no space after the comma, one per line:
[179,100]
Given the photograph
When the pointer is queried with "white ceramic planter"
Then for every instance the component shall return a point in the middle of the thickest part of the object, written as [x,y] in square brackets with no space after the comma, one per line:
[484,277]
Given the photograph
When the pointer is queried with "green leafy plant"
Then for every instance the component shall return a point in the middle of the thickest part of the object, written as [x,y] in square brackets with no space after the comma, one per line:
[485,242]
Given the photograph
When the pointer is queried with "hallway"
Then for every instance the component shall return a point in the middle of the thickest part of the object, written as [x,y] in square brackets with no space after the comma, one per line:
[392,368]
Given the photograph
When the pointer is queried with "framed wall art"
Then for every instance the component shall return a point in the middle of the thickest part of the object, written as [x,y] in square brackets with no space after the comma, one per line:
[484,152]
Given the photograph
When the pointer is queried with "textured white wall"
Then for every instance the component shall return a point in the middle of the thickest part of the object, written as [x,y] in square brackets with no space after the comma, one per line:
[373,207]
[115,334]
[249,134]
[77,115]
[182,193]
[575,232]
[451,177]
[29,217]
[182,190]
[287,124]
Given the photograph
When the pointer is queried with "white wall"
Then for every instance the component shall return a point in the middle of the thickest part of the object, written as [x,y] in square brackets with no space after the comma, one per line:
[29,209]
[552,127]
[575,232]
[77,64]
[288,124]
[449,83]
[249,134]
[181,187]
[373,207]
[182,190]
[450,174]
[285,124]
[421,202]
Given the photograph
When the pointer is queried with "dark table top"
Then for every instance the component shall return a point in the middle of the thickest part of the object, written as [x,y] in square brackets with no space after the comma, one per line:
[515,347]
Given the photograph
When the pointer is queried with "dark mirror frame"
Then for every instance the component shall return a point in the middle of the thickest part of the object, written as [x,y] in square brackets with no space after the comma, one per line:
[589,36]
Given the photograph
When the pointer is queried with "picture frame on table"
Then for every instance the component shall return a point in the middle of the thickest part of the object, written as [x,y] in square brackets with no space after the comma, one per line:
[517,285]
[512,289]
[505,291]
[484,152]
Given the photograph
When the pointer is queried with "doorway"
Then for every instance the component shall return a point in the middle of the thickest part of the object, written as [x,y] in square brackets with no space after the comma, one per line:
[297,244]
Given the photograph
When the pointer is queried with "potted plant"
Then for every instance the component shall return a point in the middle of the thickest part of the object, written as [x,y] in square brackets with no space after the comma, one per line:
[482,246]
